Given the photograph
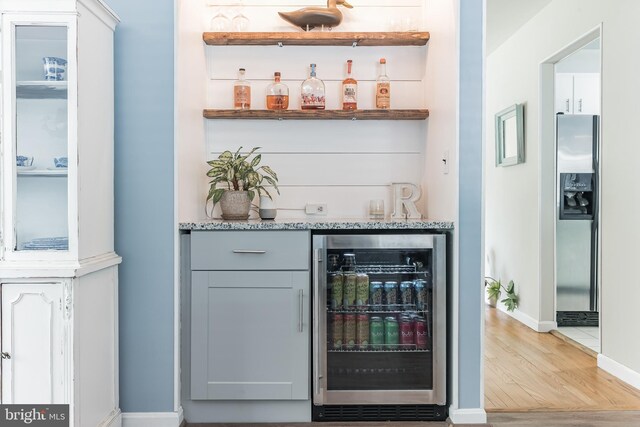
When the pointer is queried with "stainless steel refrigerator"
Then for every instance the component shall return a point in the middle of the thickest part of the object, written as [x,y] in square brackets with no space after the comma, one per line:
[577,220]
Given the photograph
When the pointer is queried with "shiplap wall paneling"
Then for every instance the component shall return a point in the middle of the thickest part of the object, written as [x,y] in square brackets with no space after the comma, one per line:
[342,164]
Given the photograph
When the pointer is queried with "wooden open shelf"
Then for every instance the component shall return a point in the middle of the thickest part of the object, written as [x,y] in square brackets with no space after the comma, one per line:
[317,114]
[407,38]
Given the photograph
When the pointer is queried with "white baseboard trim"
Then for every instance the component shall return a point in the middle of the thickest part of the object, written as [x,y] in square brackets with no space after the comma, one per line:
[538,326]
[152,419]
[113,420]
[468,416]
[618,370]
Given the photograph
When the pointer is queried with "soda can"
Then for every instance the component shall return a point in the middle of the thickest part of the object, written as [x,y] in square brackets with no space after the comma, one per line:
[420,330]
[420,287]
[375,295]
[376,332]
[362,331]
[349,330]
[391,294]
[406,294]
[362,290]
[407,339]
[337,322]
[391,332]
[349,292]
[337,286]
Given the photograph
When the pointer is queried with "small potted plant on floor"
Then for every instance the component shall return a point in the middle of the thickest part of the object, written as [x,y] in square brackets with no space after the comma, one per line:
[235,181]
[494,290]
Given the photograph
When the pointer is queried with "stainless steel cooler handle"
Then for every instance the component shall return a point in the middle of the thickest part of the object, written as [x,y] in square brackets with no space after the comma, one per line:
[246,251]
[316,324]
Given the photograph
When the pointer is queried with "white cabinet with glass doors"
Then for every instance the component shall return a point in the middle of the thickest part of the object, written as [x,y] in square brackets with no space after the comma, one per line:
[56,228]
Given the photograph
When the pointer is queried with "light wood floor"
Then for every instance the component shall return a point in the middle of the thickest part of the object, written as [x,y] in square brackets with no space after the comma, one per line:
[526,371]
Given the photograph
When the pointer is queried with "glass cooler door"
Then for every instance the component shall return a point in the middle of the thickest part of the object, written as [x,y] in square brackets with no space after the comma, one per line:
[381,329]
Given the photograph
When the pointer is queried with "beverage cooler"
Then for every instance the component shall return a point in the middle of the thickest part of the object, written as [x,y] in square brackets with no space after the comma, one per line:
[379,327]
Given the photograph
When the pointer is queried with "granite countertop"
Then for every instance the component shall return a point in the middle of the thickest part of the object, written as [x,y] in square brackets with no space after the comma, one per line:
[319,224]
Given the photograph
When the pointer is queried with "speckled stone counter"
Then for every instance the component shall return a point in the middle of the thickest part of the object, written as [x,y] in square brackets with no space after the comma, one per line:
[318,224]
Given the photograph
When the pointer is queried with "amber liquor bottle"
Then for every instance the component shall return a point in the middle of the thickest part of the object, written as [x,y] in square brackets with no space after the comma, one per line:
[349,90]
[383,87]
[277,94]
[241,92]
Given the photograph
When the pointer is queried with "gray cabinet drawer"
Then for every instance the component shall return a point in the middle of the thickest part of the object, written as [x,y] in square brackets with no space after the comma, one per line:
[250,250]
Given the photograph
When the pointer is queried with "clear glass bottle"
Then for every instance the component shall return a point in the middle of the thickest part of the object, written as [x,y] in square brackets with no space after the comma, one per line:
[383,87]
[241,92]
[277,94]
[349,90]
[312,92]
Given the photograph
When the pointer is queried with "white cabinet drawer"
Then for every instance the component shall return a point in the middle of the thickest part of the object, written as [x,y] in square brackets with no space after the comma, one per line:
[250,250]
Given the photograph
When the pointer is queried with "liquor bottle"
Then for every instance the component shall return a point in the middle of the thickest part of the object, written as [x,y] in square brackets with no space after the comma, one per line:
[241,92]
[277,94]
[312,92]
[383,87]
[349,90]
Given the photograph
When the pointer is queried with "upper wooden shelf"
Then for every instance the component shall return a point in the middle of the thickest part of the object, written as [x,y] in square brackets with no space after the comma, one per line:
[317,114]
[408,38]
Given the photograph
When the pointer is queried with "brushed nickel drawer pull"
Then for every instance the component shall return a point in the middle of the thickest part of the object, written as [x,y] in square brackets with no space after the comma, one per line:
[245,251]
[5,355]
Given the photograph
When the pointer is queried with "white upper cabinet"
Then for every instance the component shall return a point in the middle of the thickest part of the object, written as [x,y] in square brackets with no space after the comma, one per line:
[577,93]
[57,131]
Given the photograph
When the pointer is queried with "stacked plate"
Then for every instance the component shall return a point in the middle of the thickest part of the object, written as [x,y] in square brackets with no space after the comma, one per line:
[47,243]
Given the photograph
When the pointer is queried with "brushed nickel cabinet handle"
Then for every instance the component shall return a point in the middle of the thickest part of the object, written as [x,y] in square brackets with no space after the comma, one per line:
[246,251]
[5,355]
[300,309]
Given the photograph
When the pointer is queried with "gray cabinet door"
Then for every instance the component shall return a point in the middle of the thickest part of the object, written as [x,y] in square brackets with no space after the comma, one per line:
[250,335]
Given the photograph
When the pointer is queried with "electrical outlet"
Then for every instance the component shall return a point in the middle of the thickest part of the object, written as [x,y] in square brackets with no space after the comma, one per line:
[316,209]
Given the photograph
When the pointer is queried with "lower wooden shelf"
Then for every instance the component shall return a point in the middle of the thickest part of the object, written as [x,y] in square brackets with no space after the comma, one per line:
[420,114]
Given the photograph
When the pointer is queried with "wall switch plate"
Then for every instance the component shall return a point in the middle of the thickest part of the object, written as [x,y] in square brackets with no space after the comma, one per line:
[316,209]
[445,162]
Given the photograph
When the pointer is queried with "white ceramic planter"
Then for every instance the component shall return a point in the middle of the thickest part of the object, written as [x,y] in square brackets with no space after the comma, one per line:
[235,205]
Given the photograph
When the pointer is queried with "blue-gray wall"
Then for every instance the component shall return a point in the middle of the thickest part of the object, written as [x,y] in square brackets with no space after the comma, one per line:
[144,201]
[470,204]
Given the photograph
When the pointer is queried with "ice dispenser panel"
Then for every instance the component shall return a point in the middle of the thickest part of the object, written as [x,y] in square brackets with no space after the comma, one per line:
[576,192]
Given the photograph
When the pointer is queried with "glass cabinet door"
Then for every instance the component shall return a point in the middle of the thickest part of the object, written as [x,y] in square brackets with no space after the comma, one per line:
[41,135]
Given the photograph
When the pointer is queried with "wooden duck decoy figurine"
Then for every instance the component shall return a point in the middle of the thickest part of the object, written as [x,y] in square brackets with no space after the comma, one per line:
[311,17]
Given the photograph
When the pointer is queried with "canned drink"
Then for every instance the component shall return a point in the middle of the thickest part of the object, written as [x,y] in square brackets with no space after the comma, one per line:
[362,290]
[421,338]
[362,331]
[337,321]
[375,295]
[406,294]
[349,335]
[349,291]
[376,332]
[391,332]
[390,293]
[420,287]
[337,286]
[407,340]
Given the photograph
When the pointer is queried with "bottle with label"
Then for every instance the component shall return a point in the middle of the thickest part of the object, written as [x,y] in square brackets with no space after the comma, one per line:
[277,94]
[383,87]
[312,92]
[349,90]
[241,92]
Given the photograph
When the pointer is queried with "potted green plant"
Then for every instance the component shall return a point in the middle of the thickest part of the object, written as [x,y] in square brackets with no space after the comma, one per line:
[235,180]
[494,290]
